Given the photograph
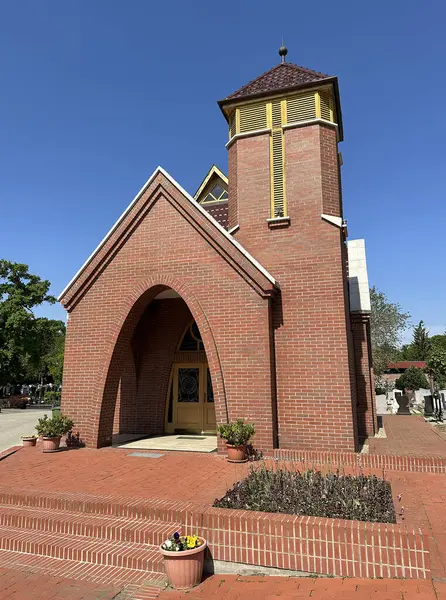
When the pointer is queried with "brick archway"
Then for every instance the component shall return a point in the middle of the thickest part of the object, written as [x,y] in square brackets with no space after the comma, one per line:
[120,335]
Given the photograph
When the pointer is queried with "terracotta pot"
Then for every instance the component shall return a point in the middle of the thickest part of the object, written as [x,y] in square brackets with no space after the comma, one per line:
[51,444]
[184,569]
[236,453]
[28,442]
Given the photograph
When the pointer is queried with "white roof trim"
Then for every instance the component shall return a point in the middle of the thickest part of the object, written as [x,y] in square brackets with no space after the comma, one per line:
[233,241]
[332,219]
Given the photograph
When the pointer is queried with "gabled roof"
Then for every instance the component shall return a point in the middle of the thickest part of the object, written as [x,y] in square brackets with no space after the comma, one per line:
[219,231]
[283,76]
[213,171]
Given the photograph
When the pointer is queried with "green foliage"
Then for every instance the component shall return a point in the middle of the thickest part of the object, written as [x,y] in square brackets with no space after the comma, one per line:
[46,353]
[54,427]
[335,496]
[420,346]
[436,367]
[52,398]
[438,342]
[238,433]
[412,379]
[386,326]
[27,343]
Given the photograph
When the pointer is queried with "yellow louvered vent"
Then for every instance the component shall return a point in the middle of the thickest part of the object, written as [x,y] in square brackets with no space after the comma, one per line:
[276,113]
[325,105]
[252,117]
[301,108]
[232,125]
[278,174]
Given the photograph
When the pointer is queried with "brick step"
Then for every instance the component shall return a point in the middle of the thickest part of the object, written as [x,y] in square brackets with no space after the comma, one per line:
[131,508]
[144,584]
[103,527]
[128,555]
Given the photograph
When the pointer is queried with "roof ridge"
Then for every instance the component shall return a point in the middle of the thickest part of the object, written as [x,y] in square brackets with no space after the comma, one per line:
[255,79]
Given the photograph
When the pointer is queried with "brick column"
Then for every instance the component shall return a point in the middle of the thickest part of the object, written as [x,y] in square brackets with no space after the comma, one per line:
[365,389]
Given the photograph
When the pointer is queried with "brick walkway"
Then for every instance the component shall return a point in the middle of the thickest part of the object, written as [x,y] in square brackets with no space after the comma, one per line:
[408,436]
[194,478]
[233,587]
[23,585]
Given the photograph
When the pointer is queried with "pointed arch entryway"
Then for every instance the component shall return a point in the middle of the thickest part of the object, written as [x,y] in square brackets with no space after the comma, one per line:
[120,386]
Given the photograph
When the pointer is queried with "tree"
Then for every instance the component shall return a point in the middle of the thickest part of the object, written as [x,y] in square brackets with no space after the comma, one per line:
[438,341]
[436,367]
[54,358]
[386,326]
[46,354]
[420,346]
[20,292]
[412,379]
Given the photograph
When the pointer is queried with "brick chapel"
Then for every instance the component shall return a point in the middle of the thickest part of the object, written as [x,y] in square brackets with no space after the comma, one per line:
[244,300]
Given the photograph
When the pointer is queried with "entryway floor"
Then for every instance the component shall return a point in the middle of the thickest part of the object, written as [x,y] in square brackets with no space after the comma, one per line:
[175,442]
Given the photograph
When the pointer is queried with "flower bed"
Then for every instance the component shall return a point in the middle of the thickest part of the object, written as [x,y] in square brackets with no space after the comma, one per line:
[311,493]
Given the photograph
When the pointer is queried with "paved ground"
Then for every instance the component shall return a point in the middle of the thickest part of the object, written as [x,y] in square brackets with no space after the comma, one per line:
[16,422]
[182,443]
[19,585]
[408,435]
[233,587]
[423,496]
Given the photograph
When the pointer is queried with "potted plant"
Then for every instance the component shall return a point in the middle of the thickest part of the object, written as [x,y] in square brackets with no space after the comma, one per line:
[183,560]
[237,436]
[29,440]
[51,430]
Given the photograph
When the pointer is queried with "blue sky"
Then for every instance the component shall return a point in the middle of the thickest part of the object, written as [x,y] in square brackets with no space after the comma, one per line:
[97,93]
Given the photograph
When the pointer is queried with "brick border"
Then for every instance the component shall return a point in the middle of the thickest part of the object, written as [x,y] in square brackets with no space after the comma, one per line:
[312,544]
[9,451]
[420,464]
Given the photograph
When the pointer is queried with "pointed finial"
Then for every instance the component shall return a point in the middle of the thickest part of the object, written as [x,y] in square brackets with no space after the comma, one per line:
[283,51]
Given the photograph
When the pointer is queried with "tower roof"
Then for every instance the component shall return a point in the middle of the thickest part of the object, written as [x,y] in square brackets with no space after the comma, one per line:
[283,76]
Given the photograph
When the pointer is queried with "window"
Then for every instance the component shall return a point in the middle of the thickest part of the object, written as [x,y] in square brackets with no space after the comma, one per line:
[191,339]
[217,194]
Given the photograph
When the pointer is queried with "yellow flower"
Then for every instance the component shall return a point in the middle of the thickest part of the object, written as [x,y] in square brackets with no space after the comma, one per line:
[192,541]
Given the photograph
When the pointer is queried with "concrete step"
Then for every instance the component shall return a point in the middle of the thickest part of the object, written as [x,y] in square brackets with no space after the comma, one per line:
[102,527]
[126,555]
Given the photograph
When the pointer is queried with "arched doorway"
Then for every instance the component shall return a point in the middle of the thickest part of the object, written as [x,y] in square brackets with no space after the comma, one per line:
[190,406]
[160,379]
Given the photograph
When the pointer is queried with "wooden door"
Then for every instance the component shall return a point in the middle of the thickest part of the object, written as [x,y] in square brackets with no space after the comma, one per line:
[193,398]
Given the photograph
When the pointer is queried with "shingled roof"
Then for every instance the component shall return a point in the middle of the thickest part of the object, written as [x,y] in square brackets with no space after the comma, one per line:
[282,76]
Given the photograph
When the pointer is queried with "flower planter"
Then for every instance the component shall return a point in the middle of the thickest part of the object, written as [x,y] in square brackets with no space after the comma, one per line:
[184,569]
[28,442]
[51,444]
[236,454]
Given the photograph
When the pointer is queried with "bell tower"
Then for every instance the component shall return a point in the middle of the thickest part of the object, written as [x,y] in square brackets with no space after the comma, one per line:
[264,113]
[285,208]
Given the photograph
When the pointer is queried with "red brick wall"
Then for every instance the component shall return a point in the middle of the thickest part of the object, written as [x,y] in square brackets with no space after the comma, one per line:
[164,242]
[366,409]
[315,389]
